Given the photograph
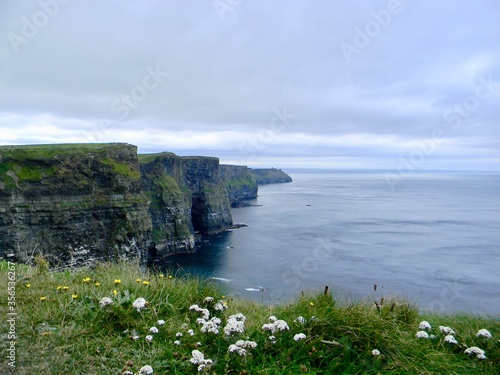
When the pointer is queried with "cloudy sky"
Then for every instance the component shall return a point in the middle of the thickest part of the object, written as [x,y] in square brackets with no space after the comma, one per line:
[330,84]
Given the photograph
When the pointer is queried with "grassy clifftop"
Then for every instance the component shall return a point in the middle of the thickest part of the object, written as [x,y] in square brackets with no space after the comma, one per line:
[93,322]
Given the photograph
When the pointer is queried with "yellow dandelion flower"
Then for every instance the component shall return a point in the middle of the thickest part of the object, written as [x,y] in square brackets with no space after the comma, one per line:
[28,285]
[97,284]
[117,281]
[138,280]
[43,298]
[86,280]
[74,296]
[145,282]
[115,292]
[65,287]
[169,276]
[59,287]
[311,303]
[161,275]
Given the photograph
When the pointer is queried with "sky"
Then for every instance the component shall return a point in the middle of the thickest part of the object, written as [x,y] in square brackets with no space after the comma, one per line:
[396,85]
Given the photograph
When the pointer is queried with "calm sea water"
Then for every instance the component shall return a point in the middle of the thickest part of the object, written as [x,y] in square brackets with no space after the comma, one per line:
[435,238]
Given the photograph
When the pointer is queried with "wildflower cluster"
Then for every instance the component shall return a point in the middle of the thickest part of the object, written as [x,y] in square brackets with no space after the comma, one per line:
[449,338]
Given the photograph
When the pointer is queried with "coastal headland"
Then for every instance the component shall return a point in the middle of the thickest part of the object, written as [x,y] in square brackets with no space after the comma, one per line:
[78,203]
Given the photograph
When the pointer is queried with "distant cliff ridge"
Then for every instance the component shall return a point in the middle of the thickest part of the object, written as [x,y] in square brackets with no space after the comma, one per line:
[78,203]
[270,176]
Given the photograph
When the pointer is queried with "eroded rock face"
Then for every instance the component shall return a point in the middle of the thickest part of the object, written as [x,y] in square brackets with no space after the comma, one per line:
[240,182]
[187,195]
[75,204]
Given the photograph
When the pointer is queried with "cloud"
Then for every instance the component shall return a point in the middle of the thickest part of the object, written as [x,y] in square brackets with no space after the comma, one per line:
[87,74]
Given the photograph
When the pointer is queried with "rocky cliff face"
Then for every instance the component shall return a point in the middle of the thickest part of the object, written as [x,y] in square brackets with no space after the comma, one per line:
[240,182]
[187,196]
[75,204]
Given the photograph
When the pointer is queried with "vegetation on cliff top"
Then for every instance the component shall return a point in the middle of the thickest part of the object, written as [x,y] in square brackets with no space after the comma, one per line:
[34,163]
[116,318]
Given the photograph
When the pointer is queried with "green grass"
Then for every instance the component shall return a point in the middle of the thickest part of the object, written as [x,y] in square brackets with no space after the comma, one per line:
[66,335]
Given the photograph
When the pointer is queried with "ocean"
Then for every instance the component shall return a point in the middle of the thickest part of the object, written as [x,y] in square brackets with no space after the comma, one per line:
[433,238]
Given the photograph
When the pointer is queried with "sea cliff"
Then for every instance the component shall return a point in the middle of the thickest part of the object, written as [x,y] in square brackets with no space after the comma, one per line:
[78,203]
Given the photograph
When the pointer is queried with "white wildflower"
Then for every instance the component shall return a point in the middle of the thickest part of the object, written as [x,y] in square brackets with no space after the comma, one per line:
[422,335]
[178,334]
[484,333]
[480,354]
[190,332]
[209,326]
[216,320]
[160,322]
[234,325]
[246,344]
[272,319]
[135,337]
[105,301]
[194,307]
[236,349]
[299,336]
[139,304]
[208,299]
[301,320]
[146,370]
[177,342]
[277,325]
[197,357]
[200,321]
[218,306]
[127,373]
[446,330]
[424,325]
[376,352]
[153,330]
[205,313]
[149,338]
[450,339]
[239,317]
[240,347]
